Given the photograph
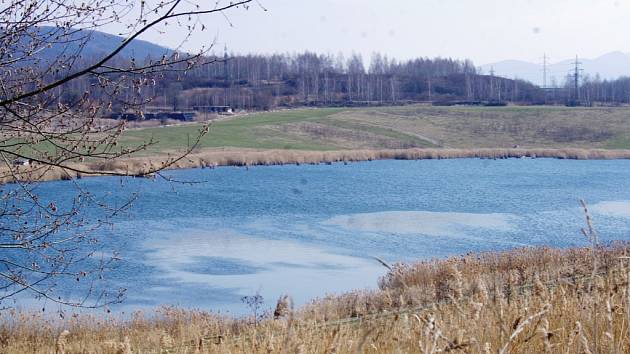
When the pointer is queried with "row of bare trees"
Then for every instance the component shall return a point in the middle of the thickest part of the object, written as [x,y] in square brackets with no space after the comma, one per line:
[259,82]
[267,81]
[595,90]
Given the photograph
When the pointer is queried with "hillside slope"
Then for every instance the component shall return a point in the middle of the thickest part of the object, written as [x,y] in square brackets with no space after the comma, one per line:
[92,44]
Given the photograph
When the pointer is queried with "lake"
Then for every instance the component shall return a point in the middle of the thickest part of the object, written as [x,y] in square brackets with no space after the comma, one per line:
[313,230]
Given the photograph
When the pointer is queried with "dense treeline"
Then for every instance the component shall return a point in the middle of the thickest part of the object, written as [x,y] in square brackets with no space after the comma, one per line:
[597,91]
[262,82]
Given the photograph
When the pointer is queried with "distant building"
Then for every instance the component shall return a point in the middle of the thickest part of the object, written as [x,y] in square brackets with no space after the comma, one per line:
[126,116]
[213,109]
[181,116]
[20,161]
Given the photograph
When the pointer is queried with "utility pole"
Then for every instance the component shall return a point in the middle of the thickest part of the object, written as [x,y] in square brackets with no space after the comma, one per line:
[544,71]
[492,83]
[544,86]
[226,74]
[576,79]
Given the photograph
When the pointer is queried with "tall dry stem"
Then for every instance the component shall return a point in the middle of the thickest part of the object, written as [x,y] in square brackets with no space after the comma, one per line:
[592,236]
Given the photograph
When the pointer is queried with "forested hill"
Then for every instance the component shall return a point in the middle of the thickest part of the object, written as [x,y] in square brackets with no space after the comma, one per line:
[265,81]
[309,79]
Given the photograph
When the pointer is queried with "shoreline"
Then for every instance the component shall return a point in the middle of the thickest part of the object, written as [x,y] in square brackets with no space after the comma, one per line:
[452,294]
[211,158]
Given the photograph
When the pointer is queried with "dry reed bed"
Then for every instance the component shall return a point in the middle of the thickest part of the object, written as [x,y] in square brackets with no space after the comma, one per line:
[249,157]
[523,301]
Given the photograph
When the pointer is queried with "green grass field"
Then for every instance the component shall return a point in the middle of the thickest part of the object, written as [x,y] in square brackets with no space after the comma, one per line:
[403,127]
[254,131]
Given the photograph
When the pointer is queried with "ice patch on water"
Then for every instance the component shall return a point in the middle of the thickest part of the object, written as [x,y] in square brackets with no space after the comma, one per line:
[422,222]
[228,259]
[612,208]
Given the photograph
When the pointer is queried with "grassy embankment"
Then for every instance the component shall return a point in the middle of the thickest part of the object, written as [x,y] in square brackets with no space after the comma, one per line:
[407,127]
[523,301]
[410,132]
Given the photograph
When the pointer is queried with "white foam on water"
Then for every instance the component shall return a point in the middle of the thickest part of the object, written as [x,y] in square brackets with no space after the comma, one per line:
[422,222]
[612,208]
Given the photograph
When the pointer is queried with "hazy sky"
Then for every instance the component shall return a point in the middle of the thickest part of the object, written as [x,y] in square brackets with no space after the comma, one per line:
[482,30]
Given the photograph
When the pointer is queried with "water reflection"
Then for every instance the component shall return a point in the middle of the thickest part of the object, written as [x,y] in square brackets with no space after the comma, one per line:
[248,264]
[312,230]
[423,222]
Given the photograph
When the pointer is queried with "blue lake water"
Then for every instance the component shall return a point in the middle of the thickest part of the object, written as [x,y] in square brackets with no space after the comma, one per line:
[309,230]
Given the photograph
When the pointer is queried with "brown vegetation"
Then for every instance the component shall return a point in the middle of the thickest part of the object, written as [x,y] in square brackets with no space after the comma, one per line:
[210,158]
[523,301]
[501,127]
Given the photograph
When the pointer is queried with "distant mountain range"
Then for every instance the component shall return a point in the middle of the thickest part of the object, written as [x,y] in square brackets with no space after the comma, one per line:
[609,66]
[100,44]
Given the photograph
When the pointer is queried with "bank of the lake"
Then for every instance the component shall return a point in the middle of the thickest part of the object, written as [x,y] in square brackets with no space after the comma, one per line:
[527,301]
[211,158]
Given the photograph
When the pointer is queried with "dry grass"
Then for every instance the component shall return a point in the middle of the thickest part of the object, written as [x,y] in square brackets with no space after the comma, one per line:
[524,301]
[493,127]
[210,158]
[414,126]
